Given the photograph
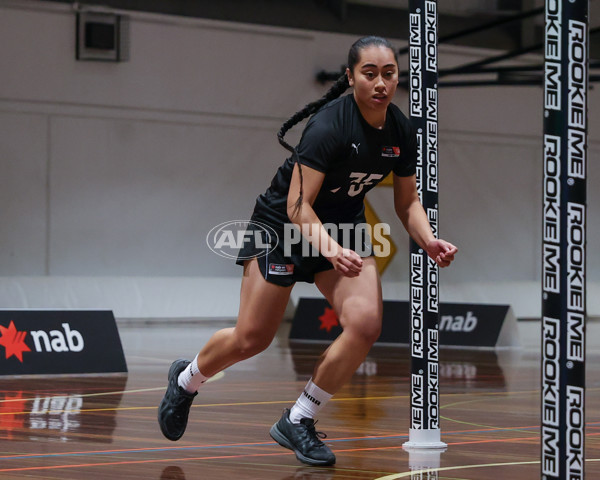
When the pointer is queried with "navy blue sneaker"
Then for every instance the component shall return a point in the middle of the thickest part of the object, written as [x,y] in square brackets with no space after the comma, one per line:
[303,439]
[175,406]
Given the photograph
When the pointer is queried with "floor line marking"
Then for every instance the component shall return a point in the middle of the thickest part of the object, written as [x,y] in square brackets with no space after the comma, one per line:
[464,467]
[101,394]
[260,444]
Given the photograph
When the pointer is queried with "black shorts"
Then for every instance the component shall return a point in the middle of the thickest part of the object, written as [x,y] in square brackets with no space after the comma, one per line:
[285,263]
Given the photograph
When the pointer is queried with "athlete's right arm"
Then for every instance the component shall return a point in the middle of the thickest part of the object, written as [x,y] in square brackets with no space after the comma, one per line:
[345,261]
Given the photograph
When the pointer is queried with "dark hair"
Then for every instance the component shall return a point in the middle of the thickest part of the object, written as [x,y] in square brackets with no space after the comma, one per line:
[370,41]
[339,87]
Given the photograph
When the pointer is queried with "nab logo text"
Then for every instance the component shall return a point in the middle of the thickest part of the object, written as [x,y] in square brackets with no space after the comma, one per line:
[458,323]
[57,341]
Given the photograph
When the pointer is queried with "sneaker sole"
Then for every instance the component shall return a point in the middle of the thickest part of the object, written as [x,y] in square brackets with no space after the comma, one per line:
[281,439]
[172,371]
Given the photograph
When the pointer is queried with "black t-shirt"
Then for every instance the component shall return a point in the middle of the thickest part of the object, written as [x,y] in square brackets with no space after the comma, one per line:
[353,155]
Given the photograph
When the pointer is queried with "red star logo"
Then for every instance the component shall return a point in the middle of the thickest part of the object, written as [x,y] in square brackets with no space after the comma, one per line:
[13,341]
[328,320]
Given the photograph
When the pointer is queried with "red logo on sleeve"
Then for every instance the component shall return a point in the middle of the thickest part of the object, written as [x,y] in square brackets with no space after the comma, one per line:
[392,152]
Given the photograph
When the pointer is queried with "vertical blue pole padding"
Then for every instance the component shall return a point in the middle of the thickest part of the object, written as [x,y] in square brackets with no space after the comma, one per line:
[564,239]
[424,313]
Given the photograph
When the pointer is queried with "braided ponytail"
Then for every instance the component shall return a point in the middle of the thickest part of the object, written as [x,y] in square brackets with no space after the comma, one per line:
[339,87]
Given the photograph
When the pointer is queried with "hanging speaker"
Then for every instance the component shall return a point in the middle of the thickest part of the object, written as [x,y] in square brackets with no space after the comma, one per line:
[102,37]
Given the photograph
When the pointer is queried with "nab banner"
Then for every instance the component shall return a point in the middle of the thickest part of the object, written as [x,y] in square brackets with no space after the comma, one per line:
[59,342]
[460,324]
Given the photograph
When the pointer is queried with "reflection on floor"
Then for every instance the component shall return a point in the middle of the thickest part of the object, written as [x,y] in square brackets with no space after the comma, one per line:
[105,426]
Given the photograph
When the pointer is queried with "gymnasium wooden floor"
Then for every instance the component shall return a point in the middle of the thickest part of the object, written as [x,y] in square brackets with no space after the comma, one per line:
[105,426]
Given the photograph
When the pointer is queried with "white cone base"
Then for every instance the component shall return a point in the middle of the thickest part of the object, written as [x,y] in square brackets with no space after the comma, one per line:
[425,438]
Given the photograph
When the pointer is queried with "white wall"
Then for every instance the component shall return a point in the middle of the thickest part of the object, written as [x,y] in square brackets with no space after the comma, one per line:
[112,174]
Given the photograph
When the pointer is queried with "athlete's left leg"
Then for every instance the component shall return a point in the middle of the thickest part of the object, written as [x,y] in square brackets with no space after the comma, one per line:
[357,302]
[358,305]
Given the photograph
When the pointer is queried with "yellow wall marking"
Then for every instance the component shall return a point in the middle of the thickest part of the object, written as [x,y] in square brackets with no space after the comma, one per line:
[372,219]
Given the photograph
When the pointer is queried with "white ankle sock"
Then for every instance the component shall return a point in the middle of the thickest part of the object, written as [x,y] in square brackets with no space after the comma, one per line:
[191,379]
[309,403]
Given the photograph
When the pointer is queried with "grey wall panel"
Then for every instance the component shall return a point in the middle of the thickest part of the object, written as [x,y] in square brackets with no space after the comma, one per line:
[139,160]
[139,198]
[176,65]
[23,158]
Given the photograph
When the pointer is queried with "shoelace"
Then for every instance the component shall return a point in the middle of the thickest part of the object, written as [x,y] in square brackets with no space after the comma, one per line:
[312,435]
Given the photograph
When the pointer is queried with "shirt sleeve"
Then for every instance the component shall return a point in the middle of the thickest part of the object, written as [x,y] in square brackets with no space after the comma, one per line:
[319,146]
[406,165]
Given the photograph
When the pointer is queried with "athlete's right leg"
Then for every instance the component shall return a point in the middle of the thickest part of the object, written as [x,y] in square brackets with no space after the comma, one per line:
[262,305]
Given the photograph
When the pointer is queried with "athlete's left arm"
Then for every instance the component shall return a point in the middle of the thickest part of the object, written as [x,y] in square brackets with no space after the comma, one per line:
[413,217]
